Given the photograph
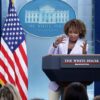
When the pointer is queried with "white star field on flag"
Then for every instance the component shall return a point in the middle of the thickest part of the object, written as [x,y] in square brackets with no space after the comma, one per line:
[12,30]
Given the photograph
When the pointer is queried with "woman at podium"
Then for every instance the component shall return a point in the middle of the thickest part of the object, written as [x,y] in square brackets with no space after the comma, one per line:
[72,42]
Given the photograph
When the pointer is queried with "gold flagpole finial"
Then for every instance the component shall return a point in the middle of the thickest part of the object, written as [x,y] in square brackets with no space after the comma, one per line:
[13,2]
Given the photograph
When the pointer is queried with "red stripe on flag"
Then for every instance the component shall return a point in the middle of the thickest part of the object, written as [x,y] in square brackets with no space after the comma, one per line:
[21,70]
[24,97]
[7,57]
[23,54]
[7,72]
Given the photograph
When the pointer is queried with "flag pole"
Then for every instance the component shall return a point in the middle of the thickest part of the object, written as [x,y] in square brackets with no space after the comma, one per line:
[13,1]
[11,4]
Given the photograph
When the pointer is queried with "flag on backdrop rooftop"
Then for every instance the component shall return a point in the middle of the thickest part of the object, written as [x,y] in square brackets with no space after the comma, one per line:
[13,54]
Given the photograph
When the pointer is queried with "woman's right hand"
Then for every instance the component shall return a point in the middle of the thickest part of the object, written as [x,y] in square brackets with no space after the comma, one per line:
[84,46]
[58,40]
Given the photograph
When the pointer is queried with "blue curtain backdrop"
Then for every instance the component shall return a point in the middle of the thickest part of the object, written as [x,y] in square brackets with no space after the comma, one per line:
[97,39]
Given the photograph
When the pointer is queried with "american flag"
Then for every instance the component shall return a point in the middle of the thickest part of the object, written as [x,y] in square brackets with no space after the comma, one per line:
[13,54]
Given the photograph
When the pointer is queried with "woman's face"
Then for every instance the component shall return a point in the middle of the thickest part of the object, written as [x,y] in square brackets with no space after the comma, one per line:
[73,35]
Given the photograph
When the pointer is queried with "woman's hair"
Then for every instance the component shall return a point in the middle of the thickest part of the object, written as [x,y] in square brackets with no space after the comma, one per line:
[5,94]
[75,91]
[9,92]
[76,25]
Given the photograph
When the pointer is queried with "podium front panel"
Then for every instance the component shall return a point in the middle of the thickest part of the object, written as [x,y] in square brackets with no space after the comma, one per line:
[72,67]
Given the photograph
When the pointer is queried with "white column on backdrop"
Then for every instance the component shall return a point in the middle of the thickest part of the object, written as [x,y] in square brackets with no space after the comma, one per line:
[85,14]
[73,4]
